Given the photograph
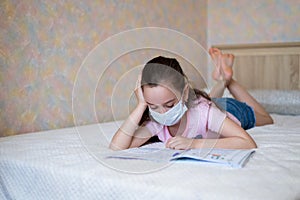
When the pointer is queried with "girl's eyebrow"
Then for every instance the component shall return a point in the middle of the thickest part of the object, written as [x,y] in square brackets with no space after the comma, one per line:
[163,103]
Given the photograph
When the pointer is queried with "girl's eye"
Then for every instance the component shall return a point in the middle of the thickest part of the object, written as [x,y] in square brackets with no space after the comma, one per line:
[170,106]
[153,107]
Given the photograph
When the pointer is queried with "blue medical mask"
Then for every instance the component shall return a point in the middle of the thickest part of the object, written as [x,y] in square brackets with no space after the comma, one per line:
[170,117]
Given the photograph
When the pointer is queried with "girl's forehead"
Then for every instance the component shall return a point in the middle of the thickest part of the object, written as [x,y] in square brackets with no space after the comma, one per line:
[159,94]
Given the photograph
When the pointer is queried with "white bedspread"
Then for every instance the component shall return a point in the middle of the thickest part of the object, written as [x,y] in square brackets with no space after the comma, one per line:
[62,164]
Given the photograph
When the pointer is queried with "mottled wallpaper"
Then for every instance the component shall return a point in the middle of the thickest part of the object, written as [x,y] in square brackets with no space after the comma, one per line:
[255,21]
[43,51]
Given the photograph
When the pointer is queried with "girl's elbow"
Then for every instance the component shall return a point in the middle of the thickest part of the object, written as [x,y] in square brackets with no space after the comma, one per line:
[115,147]
[112,147]
[254,145]
[251,144]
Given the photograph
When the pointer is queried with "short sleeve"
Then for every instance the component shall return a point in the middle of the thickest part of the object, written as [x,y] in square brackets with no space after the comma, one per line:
[216,118]
[159,130]
[154,128]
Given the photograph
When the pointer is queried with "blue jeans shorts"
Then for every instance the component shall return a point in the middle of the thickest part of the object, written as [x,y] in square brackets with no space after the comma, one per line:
[244,113]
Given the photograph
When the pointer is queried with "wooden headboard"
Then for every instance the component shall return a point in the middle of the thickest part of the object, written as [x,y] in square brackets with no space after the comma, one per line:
[266,66]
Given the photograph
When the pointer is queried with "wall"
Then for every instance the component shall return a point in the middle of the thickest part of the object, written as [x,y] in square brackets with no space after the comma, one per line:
[256,21]
[44,43]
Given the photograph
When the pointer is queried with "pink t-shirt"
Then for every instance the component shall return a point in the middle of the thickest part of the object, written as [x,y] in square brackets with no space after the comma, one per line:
[203,120]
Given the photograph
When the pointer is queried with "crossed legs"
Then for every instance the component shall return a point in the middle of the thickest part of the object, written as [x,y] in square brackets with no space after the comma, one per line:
[223,75]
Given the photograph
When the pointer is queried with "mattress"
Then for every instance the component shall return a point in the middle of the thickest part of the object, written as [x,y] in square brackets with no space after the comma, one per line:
[68,164]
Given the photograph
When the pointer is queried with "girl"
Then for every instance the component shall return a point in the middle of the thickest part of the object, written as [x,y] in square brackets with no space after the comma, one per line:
[183,117]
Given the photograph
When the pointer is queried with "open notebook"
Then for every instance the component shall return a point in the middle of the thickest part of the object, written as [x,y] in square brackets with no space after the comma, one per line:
[236,158]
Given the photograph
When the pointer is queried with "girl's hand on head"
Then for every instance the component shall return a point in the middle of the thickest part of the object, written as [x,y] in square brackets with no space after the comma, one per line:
[179,143]
[139,92]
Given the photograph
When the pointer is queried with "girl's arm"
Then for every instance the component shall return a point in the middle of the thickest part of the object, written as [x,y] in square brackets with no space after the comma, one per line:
[232,137]
[129,135]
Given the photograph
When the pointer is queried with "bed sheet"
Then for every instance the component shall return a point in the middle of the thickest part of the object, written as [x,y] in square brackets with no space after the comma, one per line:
[67,164]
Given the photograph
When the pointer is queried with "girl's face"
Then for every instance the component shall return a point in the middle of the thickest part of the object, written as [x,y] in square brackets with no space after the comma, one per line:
[160,98]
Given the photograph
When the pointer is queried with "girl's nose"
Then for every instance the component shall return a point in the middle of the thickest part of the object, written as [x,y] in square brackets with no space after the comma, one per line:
[162,110]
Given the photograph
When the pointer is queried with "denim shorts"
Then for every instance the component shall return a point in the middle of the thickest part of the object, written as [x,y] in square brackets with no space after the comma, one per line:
[244,113]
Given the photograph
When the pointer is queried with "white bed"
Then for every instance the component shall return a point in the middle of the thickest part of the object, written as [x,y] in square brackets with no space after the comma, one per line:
[68,163]
[56,165]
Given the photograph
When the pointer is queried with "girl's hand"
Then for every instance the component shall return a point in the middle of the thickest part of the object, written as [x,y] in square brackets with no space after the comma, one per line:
[179,143]
[139,92]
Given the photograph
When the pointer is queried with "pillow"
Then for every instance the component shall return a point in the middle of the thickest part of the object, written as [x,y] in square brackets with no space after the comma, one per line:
[286,102]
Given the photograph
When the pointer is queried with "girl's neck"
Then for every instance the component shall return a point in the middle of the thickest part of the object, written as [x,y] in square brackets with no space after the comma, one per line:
[178,128]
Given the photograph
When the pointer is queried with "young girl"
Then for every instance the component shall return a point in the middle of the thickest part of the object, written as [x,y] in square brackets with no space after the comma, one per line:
[183,117]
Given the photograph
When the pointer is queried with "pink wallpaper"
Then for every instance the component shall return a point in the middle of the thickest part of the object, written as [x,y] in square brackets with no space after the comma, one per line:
[255,21]
[44,43]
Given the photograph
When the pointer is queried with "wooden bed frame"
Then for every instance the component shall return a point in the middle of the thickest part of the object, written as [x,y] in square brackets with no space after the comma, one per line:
[266,66]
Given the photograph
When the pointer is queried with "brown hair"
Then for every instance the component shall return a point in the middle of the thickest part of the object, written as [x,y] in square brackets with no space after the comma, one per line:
[167,71]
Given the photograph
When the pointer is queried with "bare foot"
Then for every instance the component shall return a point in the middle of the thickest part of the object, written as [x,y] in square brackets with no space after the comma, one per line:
[223,65]
[216,56]
[226,67]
